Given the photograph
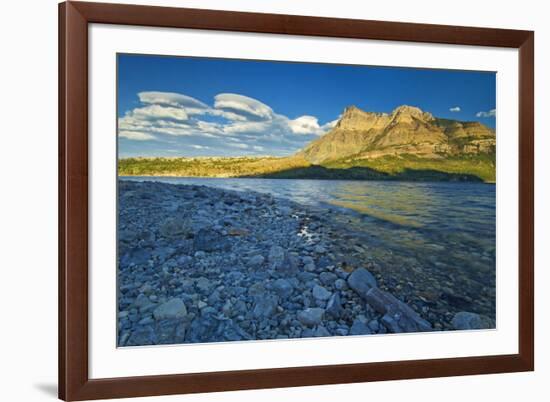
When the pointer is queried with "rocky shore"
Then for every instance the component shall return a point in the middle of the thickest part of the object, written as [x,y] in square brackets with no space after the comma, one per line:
[199,264]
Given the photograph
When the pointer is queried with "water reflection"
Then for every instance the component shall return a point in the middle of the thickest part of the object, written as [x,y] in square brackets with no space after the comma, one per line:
[399,203]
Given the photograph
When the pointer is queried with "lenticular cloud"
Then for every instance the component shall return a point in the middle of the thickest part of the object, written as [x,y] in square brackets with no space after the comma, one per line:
[247,122]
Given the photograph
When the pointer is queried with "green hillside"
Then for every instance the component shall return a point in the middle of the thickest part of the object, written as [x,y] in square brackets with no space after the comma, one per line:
[406,167]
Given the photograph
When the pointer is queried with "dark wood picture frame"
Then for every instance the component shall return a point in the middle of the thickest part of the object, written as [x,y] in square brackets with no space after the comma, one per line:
[74,382]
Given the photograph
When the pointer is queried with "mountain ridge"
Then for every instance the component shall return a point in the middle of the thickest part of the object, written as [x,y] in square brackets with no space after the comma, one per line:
[406,130]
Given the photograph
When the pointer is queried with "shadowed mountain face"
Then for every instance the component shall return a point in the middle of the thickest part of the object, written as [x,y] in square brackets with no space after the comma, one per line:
[407,130]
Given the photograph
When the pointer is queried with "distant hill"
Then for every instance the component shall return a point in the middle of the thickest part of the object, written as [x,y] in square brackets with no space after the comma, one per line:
[406,144]
[405,131]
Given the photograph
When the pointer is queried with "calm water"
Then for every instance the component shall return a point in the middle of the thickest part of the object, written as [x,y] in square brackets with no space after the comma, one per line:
[438,237]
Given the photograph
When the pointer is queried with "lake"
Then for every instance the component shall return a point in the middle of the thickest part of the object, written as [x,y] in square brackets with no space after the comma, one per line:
[437,238]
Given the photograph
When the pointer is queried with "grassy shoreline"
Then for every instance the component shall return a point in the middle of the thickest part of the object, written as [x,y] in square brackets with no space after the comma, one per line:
[478,168]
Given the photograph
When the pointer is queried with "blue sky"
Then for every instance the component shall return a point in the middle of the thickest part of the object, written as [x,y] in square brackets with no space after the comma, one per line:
[180,106]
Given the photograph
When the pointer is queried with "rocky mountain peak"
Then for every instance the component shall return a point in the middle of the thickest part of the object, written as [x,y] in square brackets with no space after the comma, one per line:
[351,112]
[354,118]
[406,130]
[407,113]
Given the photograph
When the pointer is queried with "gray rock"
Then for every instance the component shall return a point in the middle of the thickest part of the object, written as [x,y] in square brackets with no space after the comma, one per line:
[320,293]
[256,261]
[185,259]
[125,288]
[340,284]
[307,333]
[146,288]
[311,316]
[230,331]
[310,267]
[325,262]
[163,253]
[361,281]
[228,308]
[282,261]
[239,307]
[137,256]
[466,320]
[256,289]
[307,260]
[210,240]
[234,277]
[283,288]
[341,273]
[123,338]
[147,307]
[175,227]
[127,235]
[328,278]
[320,249]
[265,306]
[342,331]
[142,336]
[359,327]
[399,316]
[179,335]
[199,254]
[391,324]
[277,256]
[214,298]
[174,308]
[146,320]
[334,306]
[141,301]
[170,331]
[208,310]
[321,331]
[202,329]
[293,261]
[203,284]
[374,325]
[305,276]
[184,247]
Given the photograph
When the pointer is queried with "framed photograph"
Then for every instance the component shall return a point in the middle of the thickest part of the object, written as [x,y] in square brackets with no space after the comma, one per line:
[259,200]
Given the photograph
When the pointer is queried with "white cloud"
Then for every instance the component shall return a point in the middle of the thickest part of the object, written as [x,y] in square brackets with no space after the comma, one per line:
[239,145]
[304,125]
[234,122]
[490,113]
[247,127]
[330,125]
[310,125]
[455,109]
[136,135]
[243,106]
[170,99]
[160,112]
[226,115]
[144,124]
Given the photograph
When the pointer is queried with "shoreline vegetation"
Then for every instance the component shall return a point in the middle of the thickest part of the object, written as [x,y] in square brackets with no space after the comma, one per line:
[200,264]
[474,168]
